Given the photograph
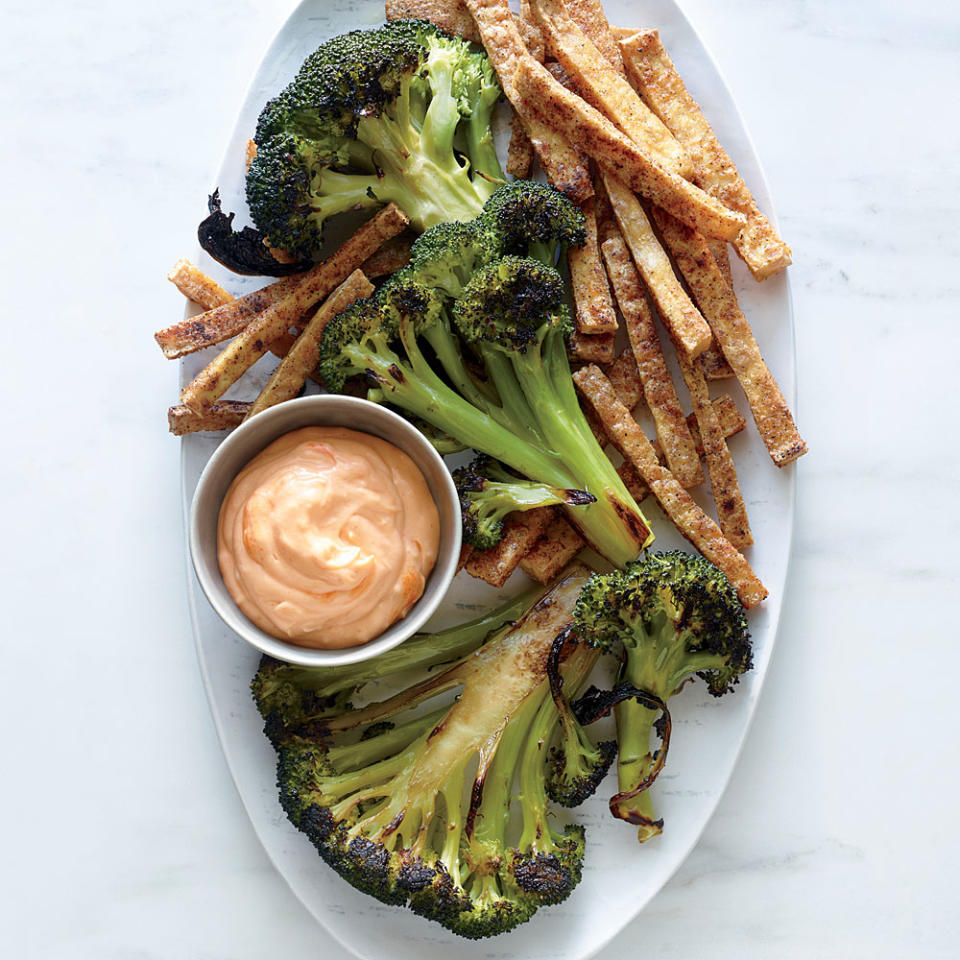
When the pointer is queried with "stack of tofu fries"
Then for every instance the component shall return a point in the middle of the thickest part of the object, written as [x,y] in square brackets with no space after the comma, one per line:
[605,115]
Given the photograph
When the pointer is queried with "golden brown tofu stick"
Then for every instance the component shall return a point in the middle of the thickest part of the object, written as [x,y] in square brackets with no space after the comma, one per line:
[622,33]
[220,415]
[652,72]
[394,255]
[658,388]
[733,334]
[625,377]
[304,354]
[731,510]
[551,103]
[520,152]
[588,15]
[521,530]
[714,364]
[562,164]
[195,285]
[451,16]
[731,422]
[227,321]
[606,221]
[687,517]
[555,548]
[602,86]
[682,319]
[591,293]
[599,348]
[254,341]
[530,32]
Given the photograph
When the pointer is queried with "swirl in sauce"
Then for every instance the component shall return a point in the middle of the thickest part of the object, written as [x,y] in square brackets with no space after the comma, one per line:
[327,537]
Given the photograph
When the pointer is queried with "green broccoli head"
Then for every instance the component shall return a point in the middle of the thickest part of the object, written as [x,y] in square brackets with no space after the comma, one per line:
[447,254]
[512,302]
[675,616]
[375,116]
[676,610]
[534,219]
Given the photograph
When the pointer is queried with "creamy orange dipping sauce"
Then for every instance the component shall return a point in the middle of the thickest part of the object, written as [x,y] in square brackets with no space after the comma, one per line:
[327,537]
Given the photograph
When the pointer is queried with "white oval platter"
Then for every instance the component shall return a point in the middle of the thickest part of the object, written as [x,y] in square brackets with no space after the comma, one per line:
[620,876]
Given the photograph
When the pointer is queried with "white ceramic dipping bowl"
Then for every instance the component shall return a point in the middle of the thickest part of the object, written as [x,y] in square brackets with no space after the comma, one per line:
[252,436]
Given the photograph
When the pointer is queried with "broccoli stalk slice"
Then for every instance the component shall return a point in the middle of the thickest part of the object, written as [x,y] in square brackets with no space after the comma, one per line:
[480,144]
[279,688]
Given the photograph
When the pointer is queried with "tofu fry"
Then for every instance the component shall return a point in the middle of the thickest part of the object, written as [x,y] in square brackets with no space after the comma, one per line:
[625,377]
[731,423]
[551,103]
[521,530]
[530,32]
[686,325]
[714,364]
[520,152]
[597,348]
[304,354]
[591,293]
[658,388]
[557,546]
[733,334]
[652,72]
[606,88]
[565,168]
[220,415]
[689,519]
[588,15]
[195,285]
[606,221]
[394,255]
[451,16]
[227,321]
[731,510]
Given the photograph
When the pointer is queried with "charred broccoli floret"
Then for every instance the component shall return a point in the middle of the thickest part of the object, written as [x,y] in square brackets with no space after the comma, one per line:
[488,493]
[398,113]
[389,796]
[675,616]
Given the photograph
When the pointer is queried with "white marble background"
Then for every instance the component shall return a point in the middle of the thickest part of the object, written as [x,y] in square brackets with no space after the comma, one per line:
[122,836]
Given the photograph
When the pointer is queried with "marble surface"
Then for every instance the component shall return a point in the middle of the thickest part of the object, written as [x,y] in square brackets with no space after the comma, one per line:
[123,837]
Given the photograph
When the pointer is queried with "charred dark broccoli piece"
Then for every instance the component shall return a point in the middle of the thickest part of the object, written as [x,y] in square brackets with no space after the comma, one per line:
[675,616]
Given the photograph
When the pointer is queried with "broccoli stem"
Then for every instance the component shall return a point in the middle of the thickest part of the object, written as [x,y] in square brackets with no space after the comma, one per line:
[537,835]
[354,756]
[561,421]
[480,145]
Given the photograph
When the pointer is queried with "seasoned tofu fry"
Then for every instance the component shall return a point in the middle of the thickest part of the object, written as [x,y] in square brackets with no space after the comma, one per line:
[521,530]
[626,435]
[530,32]
[605,88]
[195,285]
[394,255]
[683,320]
[732,332]
[625,377]
[652,72]
[220,415]
[304,353]
[588,15]
[451,16]
[551,103]
[714,364]
[557,546]
[562,164]
[227,321]
[731,510]
[520,152]
[658,388]
[597,348]
[731,423]
[591,293]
